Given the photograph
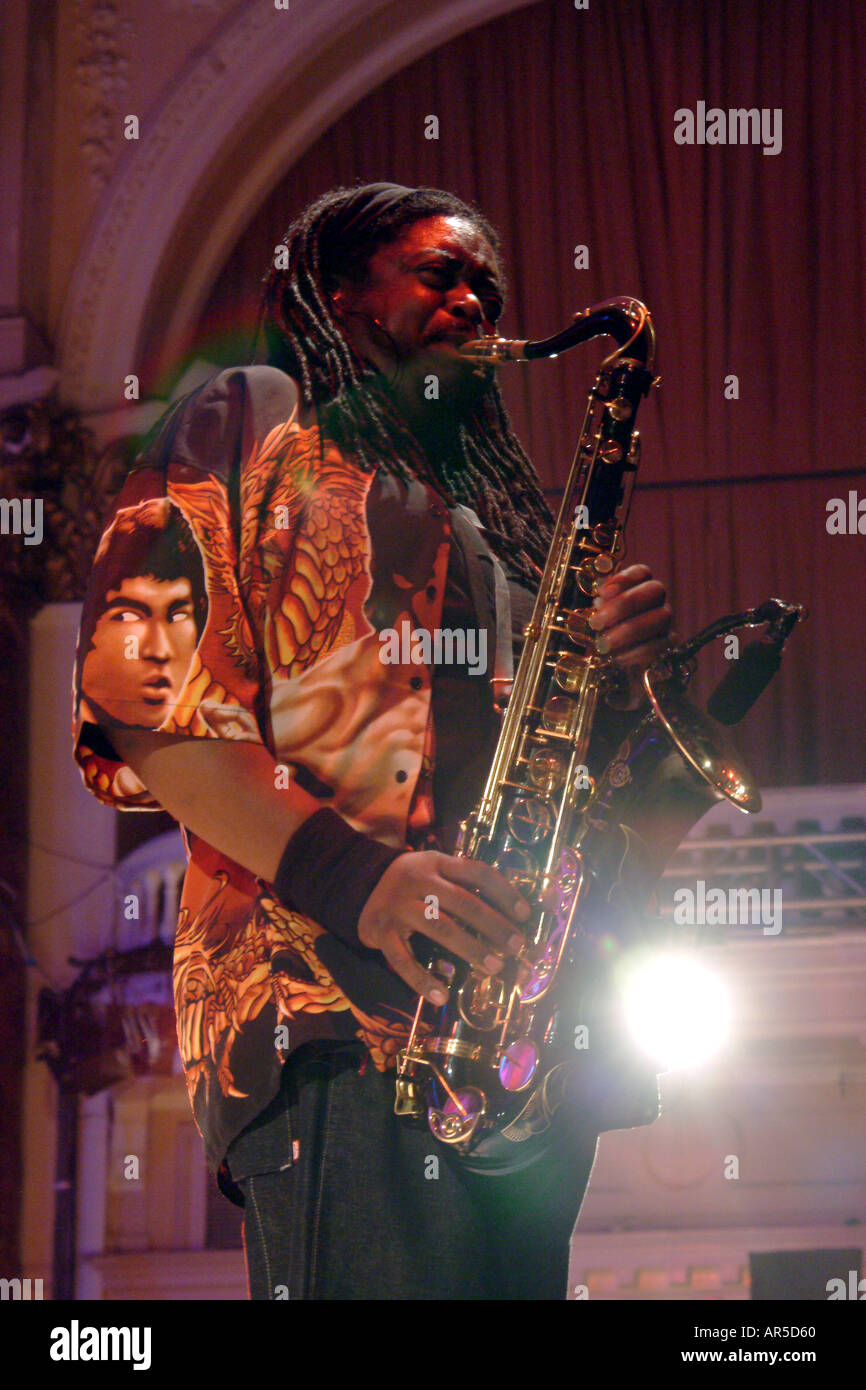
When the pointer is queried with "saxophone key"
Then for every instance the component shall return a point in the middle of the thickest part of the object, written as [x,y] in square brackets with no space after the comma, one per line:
[570,672]
[519,867]
[610,452]
[518,1064]
[481,1000]
[546,770]
[455,1121]
[620,408]
[577,629]
[529,820]
[558,715]
[587,578]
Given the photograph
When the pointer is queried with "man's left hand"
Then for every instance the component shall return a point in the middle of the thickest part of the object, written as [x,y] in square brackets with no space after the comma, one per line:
[632,619]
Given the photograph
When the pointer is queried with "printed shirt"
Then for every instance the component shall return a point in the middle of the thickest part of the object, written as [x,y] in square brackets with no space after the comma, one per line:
[301,563]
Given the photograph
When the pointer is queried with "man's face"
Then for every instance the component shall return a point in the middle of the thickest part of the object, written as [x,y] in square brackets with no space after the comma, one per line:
[141,650]
[433,288]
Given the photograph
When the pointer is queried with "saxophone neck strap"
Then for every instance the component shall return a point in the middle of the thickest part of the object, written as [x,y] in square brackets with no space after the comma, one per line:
[478,554]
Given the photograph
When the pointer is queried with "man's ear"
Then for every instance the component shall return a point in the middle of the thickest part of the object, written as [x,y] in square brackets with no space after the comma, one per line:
[343,296]
[336,296]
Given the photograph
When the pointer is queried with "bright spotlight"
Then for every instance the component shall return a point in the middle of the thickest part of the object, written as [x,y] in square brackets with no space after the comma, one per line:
[676,1010]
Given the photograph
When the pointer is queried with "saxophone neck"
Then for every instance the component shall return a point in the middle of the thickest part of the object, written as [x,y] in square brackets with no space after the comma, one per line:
[624,319]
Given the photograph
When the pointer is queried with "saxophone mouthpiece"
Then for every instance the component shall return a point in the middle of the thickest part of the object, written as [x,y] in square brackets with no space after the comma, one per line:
[495,349]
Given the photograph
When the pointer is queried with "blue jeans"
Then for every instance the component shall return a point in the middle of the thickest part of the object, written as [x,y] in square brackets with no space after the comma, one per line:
[344,1200]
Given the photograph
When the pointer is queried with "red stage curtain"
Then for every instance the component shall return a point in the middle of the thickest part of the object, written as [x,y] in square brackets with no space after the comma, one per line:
[559,123]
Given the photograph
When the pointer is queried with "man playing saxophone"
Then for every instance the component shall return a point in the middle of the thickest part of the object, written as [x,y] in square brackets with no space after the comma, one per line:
[365,477]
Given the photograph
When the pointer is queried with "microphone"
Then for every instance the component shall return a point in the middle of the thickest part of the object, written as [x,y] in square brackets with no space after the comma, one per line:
[736,692]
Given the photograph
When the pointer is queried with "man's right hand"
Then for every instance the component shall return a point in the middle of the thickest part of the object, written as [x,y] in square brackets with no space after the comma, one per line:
[224,791]
[481,930]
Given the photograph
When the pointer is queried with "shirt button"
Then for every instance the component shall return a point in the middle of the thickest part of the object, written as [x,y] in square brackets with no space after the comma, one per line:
[416,682]
[401,776]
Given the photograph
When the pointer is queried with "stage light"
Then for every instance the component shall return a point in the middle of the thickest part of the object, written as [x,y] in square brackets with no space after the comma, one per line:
[676,1010]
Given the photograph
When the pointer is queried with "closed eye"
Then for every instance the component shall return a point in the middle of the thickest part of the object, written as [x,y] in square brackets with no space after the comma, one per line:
[444,276]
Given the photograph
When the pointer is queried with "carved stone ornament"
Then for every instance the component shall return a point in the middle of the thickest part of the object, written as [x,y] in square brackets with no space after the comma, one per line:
[102,73]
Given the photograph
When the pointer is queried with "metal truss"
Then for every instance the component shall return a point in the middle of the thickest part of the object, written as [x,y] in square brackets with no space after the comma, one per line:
[809,844]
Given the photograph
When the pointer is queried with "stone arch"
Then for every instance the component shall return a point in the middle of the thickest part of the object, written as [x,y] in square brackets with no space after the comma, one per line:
[321,64]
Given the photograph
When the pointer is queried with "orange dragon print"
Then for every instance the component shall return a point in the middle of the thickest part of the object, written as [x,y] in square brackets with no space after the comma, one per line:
[284,589]
[224,978]
[303,561]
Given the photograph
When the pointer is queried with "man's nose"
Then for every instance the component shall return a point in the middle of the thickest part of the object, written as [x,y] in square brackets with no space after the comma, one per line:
[155,645]
[465,304]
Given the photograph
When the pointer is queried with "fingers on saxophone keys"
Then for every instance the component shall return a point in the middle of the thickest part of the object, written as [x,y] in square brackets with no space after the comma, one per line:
[462,943]
[476,877]
[628,576]
[639,658]
[496,932]
[419,980]
[622,637]
[617,607]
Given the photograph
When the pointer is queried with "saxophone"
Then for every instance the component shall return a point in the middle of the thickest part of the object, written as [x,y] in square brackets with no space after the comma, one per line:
[492,1067]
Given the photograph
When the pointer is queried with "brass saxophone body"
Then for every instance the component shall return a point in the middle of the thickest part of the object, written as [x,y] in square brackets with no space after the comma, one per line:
[492,1067]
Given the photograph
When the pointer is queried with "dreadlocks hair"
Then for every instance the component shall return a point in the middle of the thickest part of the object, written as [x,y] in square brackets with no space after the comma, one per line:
[488,470]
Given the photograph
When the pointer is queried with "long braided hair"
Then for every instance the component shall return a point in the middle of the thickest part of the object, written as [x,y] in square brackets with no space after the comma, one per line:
[488,469]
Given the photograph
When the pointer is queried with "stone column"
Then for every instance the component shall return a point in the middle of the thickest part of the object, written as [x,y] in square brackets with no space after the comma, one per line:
[70,911]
